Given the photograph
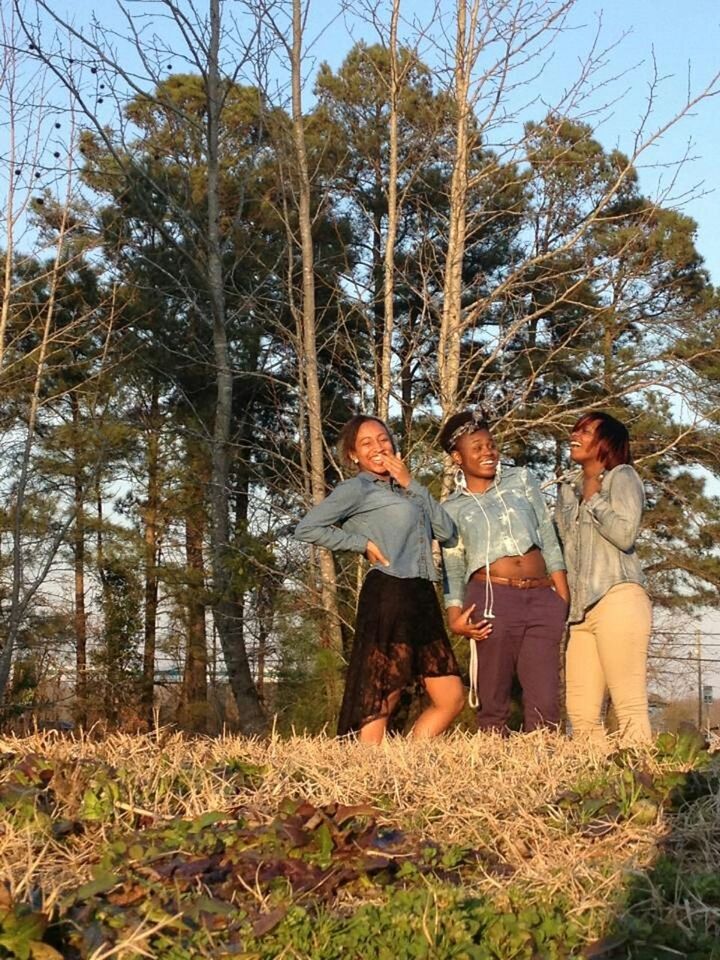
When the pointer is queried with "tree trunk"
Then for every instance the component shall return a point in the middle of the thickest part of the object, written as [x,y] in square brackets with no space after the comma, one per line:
[406,377]
[80,616]
[331,634]
[252,719]
[21,593]
[451,322]
[193,711]
[151,520]
[378,303]
[383,404]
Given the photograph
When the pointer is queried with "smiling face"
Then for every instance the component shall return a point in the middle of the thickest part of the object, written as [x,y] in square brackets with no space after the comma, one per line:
[372,445]
[583,442]
[477,454]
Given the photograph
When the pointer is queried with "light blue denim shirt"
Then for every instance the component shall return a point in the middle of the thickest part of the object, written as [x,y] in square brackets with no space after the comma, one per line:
[505,521]
[598,535]
[401,521]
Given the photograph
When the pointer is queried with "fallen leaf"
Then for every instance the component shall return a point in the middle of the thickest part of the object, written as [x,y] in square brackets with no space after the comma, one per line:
[601,948]
[128,895]
[268,921]
[596,829]
[373,864]
[343,813]
[292,829]
[43,951]
[179,867]
[101,884]
[315,820]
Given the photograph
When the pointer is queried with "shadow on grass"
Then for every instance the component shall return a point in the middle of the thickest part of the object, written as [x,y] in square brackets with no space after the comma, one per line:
[672,909]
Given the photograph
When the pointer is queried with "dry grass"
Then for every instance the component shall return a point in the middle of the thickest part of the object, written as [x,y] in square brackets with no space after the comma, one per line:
[481,792]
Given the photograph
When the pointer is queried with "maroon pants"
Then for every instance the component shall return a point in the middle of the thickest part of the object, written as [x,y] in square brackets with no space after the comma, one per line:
[526,640]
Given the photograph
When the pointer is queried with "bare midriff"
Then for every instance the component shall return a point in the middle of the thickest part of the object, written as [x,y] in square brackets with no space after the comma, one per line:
[530,564]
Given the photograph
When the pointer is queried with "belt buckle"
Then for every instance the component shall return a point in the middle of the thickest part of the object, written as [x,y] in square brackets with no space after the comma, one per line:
[524,583]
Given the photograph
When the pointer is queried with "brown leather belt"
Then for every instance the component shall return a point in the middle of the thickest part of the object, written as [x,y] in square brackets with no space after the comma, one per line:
[522,583]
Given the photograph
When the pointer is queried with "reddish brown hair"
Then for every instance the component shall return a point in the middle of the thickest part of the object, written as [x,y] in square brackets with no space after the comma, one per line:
[611,438]
[348,435]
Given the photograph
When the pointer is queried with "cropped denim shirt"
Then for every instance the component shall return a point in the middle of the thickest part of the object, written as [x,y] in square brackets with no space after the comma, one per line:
[506,520]
[402,521]
[599,534]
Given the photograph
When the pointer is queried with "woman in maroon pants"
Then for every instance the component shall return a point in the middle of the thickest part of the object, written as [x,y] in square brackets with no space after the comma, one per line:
[504,567]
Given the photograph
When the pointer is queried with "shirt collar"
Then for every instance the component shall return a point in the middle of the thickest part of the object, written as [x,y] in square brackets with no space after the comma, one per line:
[374,478]
[575,479]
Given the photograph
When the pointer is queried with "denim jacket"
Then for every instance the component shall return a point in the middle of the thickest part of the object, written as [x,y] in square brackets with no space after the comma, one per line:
[599,535]
[505,521]
[401,521]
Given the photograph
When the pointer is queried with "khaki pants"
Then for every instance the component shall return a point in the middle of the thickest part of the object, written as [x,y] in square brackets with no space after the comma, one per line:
[607,652]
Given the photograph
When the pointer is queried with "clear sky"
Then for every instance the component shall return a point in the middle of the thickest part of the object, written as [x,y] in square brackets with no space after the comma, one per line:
[683,36]
[683,39]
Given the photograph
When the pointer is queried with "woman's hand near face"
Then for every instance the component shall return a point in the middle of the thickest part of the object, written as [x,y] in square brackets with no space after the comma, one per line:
[460,622]
[397,469]
[375,555]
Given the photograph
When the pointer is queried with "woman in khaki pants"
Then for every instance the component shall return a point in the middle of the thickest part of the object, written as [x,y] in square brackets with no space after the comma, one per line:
[598,515]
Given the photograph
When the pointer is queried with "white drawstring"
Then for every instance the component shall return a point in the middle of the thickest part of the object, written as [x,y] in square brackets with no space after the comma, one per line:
[472,695]
[489,592]
[487,612]
[489,595]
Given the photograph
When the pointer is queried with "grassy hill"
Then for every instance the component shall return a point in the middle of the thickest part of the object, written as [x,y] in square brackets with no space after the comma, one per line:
[463,847]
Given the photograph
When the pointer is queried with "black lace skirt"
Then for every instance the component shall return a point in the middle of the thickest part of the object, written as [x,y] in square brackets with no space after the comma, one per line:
[399,639]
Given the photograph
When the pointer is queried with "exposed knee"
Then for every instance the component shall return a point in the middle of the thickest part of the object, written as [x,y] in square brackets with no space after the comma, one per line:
[454,699]
[457,703]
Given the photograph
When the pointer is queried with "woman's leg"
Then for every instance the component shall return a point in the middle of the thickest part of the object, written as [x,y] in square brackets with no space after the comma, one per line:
[447,698]
[372,686]
[624,623]
[584,680]
[538,665]
[496,654]
[374,730]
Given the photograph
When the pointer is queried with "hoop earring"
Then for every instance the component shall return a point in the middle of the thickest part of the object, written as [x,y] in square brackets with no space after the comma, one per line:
[460,481]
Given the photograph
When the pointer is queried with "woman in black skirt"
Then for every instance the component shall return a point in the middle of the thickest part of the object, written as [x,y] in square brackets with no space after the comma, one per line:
[400,637]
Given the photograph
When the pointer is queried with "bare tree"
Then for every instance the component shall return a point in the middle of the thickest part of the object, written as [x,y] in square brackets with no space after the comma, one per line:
[225,607]
[496,44]
[383,401]
[202,247]
[312,443]
[33,341]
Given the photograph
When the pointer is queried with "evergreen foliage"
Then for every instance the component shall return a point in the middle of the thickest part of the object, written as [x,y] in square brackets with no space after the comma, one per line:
[578,292]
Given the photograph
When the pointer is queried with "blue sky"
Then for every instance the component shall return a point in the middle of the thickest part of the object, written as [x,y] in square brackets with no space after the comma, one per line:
[679,39]
[683,38]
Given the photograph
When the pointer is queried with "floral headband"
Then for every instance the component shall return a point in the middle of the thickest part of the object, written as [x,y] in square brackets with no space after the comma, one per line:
[476,421]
